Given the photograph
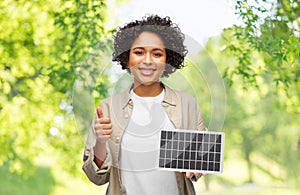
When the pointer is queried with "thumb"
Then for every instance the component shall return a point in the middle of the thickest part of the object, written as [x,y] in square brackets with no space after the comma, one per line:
[99,112]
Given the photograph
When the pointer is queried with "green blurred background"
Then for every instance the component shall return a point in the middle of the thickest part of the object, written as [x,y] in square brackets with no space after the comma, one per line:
[55,67]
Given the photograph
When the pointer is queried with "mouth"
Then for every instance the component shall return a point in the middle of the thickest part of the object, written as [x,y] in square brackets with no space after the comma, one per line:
[146,71]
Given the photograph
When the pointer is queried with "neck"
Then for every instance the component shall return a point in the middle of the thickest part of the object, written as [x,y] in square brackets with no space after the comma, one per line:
[151,90]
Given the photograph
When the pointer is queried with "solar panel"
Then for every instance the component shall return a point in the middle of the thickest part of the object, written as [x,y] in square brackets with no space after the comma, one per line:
[191,151]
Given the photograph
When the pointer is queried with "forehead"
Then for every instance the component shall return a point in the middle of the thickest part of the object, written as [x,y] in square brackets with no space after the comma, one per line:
[148,39]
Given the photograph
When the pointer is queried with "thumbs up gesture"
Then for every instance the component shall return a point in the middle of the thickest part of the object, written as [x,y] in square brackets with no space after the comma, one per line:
[102,126]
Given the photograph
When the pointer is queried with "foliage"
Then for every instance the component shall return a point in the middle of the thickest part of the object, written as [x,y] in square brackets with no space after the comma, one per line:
[266,54]
[53,57]
[43,184]
[260,126]
[84,56]
[271,29]
[45,46]
[82,24]
[25,114]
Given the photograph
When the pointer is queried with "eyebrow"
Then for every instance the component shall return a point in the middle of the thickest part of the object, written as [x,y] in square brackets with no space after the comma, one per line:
[156,48]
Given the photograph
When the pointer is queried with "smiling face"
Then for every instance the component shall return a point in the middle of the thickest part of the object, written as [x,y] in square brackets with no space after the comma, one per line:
[147,59]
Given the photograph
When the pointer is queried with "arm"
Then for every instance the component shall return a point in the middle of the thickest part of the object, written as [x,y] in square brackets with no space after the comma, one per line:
[99,153]
[97,158]
[103,130]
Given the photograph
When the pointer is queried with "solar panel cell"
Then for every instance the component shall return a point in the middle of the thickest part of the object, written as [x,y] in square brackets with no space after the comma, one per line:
[187,150]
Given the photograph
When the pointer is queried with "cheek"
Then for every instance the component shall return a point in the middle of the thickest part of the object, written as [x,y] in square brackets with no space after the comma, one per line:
[133,61]
[161,68]
[160,61]
[130,63]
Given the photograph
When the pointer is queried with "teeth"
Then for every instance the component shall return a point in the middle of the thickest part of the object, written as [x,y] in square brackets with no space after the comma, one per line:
[146,71]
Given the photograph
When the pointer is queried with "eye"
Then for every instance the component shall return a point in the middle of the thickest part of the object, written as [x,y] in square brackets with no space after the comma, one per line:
[157,54]
[139,53]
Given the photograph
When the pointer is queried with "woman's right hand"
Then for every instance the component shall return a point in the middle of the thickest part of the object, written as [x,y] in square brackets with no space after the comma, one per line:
[102,126]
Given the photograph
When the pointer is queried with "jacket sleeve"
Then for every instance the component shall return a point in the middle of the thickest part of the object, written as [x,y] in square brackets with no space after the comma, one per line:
[98,176]
[193,111]
[200,122]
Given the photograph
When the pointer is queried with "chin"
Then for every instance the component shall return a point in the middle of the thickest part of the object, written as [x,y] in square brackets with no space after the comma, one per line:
[147,83]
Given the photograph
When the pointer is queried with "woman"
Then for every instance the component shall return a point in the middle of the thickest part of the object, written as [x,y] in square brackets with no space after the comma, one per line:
[122,144]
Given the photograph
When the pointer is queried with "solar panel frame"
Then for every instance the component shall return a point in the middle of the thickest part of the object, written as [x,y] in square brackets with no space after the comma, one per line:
[190,151]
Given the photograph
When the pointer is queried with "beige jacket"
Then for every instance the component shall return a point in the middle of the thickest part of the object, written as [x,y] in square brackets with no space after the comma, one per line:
[183,111]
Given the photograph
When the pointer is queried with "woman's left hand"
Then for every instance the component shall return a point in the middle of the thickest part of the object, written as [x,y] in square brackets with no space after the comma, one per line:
[189,175]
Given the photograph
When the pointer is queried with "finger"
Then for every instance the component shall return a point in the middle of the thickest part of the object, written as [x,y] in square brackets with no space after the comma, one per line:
[99,112]
[188,174]
[103,132]
[99,126]
[106,126]
[107,132]
[196,174]
[104,120]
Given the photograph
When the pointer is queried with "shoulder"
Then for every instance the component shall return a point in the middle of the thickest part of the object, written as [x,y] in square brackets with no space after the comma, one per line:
[185,97]
[178,97]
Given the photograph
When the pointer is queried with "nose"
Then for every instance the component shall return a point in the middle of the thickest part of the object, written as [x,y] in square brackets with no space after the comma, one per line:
[147,59]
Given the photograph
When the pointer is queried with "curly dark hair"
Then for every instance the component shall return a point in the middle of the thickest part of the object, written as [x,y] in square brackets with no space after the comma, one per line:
[169,32]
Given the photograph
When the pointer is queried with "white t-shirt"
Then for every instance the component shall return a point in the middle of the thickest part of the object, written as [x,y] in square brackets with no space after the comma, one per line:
[140,149]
